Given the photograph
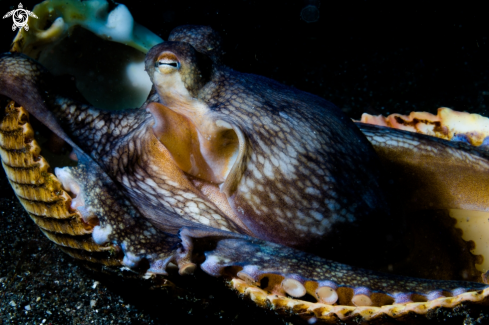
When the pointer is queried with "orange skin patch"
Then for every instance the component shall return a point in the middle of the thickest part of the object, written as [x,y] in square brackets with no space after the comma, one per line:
[194,151]
[180,137]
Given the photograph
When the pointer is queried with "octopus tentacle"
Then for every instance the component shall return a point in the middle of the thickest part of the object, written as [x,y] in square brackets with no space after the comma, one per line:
[327,313]
[22,80]
[437,174]
[281,270]
[118,221]
[442,174]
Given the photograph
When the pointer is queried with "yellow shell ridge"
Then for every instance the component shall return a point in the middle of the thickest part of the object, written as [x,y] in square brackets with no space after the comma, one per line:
[40,192]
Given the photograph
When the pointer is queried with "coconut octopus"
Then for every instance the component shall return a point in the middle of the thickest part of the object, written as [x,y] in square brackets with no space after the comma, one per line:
[269,187]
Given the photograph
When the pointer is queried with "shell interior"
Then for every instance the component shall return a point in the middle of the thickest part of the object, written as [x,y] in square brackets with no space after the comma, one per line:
[102,51]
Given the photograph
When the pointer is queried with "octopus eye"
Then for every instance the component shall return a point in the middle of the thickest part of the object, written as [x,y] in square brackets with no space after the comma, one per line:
[173,64]
[167,65]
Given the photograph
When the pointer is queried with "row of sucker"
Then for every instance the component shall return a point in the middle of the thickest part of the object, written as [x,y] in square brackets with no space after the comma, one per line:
[119,222]
[284,271]
[330,313]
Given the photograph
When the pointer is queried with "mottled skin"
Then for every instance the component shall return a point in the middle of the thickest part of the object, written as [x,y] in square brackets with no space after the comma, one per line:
[292,170]
[297,182]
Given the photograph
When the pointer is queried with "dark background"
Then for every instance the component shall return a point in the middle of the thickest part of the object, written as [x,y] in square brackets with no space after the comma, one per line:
[364,56]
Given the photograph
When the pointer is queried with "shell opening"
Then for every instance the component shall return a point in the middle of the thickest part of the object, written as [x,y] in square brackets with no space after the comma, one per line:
[100,49]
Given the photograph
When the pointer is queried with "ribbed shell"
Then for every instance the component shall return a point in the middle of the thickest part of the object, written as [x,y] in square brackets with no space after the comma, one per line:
[40,192]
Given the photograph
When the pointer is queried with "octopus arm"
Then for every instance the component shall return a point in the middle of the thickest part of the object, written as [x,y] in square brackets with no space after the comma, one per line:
[20,80]
[285,271]
[432,173]
[117,222]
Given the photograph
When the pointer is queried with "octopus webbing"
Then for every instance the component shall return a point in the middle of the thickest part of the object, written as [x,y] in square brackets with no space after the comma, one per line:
[234,173]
